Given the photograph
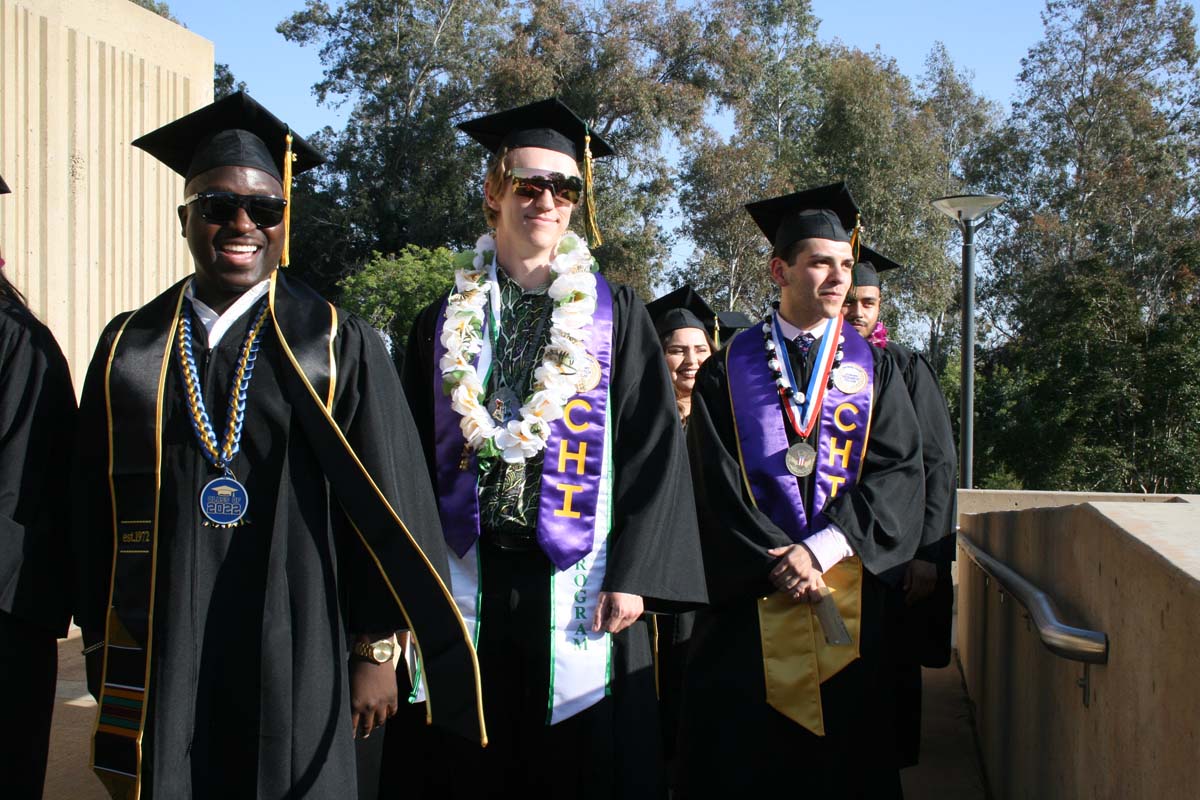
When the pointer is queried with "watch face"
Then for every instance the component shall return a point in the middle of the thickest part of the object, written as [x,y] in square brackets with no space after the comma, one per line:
[382,652]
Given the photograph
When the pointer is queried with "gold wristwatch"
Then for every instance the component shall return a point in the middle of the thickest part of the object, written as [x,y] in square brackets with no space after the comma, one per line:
[378,652]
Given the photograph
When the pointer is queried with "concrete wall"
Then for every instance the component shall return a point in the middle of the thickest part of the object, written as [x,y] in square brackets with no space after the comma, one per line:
[1130,569]
[90,228]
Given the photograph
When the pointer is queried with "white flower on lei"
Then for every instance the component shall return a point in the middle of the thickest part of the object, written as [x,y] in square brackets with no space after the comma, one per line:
[518,441]
[554,381]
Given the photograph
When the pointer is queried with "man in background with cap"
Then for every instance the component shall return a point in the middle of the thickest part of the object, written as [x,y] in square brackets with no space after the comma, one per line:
[921,609]
[548,422]
[806,458]
[238,634]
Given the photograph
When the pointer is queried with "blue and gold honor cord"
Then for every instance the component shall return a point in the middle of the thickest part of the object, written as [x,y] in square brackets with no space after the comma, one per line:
[223,501]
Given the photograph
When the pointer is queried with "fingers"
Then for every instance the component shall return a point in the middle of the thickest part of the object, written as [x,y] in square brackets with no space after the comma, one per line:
[598,619]
[779,551]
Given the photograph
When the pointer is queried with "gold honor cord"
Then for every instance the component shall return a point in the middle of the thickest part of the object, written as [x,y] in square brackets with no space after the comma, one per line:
[288,157]
[333,426]
[589,193]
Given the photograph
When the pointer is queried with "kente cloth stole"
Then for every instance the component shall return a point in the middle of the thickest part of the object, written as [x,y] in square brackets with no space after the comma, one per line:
[304,326]
[574,520]
[796,657]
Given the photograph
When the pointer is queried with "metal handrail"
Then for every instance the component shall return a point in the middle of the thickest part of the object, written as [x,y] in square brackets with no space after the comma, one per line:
[1067,641]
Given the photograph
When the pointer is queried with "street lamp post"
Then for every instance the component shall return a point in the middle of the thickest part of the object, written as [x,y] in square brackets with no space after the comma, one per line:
[967,210]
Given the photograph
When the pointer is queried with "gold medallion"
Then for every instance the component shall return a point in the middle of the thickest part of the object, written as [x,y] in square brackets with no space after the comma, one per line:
[588,376]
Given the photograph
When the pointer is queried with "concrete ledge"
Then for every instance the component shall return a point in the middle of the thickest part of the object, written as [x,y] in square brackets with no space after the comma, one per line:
[1130,569]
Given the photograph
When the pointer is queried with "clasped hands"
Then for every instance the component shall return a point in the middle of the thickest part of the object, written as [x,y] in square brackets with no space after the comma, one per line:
[796,574]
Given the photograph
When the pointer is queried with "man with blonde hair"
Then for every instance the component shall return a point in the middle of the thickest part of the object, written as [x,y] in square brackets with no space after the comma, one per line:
[560,469]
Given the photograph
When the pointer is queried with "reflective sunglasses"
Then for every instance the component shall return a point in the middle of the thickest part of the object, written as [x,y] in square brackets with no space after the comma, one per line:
[220,208]
[531,183]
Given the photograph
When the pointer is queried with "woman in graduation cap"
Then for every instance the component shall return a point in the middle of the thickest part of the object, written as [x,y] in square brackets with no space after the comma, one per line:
[248,449]
[806,462]
[685,340]
[561,478]
[37,420]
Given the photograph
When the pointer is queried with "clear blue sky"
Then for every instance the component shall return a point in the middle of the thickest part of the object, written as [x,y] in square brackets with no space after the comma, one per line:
[988,39]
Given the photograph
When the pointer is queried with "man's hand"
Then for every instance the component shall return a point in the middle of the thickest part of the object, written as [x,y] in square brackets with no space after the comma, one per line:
[616,611]
[919,580]
[796,575]
[373,695]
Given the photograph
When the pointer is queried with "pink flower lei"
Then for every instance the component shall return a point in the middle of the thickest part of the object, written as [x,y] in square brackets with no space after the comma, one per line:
[878,336]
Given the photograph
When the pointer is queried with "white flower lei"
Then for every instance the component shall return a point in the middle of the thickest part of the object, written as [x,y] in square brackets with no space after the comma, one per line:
[554,381]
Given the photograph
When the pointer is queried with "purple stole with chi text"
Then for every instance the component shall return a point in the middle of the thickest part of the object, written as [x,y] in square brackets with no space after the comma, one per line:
[796,658]
[573,519]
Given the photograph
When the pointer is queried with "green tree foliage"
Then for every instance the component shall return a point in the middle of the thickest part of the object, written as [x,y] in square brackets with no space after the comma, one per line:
[1093,290]
[391,290]
[398,172]
[162,9]
[224,84]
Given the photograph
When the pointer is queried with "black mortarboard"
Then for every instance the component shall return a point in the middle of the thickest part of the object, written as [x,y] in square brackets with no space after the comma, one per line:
[826,212]
[546,123]
[550,124]
[4,186]
[870,264]
[684,308]
[235,131]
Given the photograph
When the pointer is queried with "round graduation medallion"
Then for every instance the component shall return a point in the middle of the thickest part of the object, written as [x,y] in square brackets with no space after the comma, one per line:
[850,378]
[801,459]
[588,377]
[224,502]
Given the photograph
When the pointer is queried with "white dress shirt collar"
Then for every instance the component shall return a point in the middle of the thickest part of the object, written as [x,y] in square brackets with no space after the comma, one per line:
[217,324]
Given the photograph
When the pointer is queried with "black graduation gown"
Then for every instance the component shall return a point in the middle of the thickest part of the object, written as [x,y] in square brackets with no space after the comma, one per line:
[249,693]
[730,739]
[921,632]
[611,750]
[37,422]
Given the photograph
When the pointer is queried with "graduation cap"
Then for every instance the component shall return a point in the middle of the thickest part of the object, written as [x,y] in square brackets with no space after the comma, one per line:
[825,212]
[684,308]
[870,264]
[235,131]
[4,186]
[549,124]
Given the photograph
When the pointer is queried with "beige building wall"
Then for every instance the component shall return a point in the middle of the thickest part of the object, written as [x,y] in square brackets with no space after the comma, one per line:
[90,228]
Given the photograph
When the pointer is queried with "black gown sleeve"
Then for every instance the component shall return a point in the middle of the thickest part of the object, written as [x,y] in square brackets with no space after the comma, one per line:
[938,456]
[654,546]
[371,408]
[37,424]
[418,376]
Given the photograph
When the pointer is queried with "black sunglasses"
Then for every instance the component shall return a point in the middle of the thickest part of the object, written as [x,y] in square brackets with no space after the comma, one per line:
[264,210]
[531,183]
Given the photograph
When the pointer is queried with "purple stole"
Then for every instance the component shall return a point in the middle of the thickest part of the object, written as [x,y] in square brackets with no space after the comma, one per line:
[572,467]
[796,658]
[842,433]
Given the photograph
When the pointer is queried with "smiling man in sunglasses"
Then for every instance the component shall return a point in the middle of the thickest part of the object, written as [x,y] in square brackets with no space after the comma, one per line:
[549,425]
[253,507]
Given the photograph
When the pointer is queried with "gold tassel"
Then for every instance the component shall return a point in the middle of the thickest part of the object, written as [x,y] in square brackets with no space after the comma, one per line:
[589,196]
[717,330]
[288,158]
[856,236]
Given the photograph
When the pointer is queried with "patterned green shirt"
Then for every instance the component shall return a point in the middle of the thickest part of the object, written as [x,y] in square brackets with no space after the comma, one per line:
[508,493]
